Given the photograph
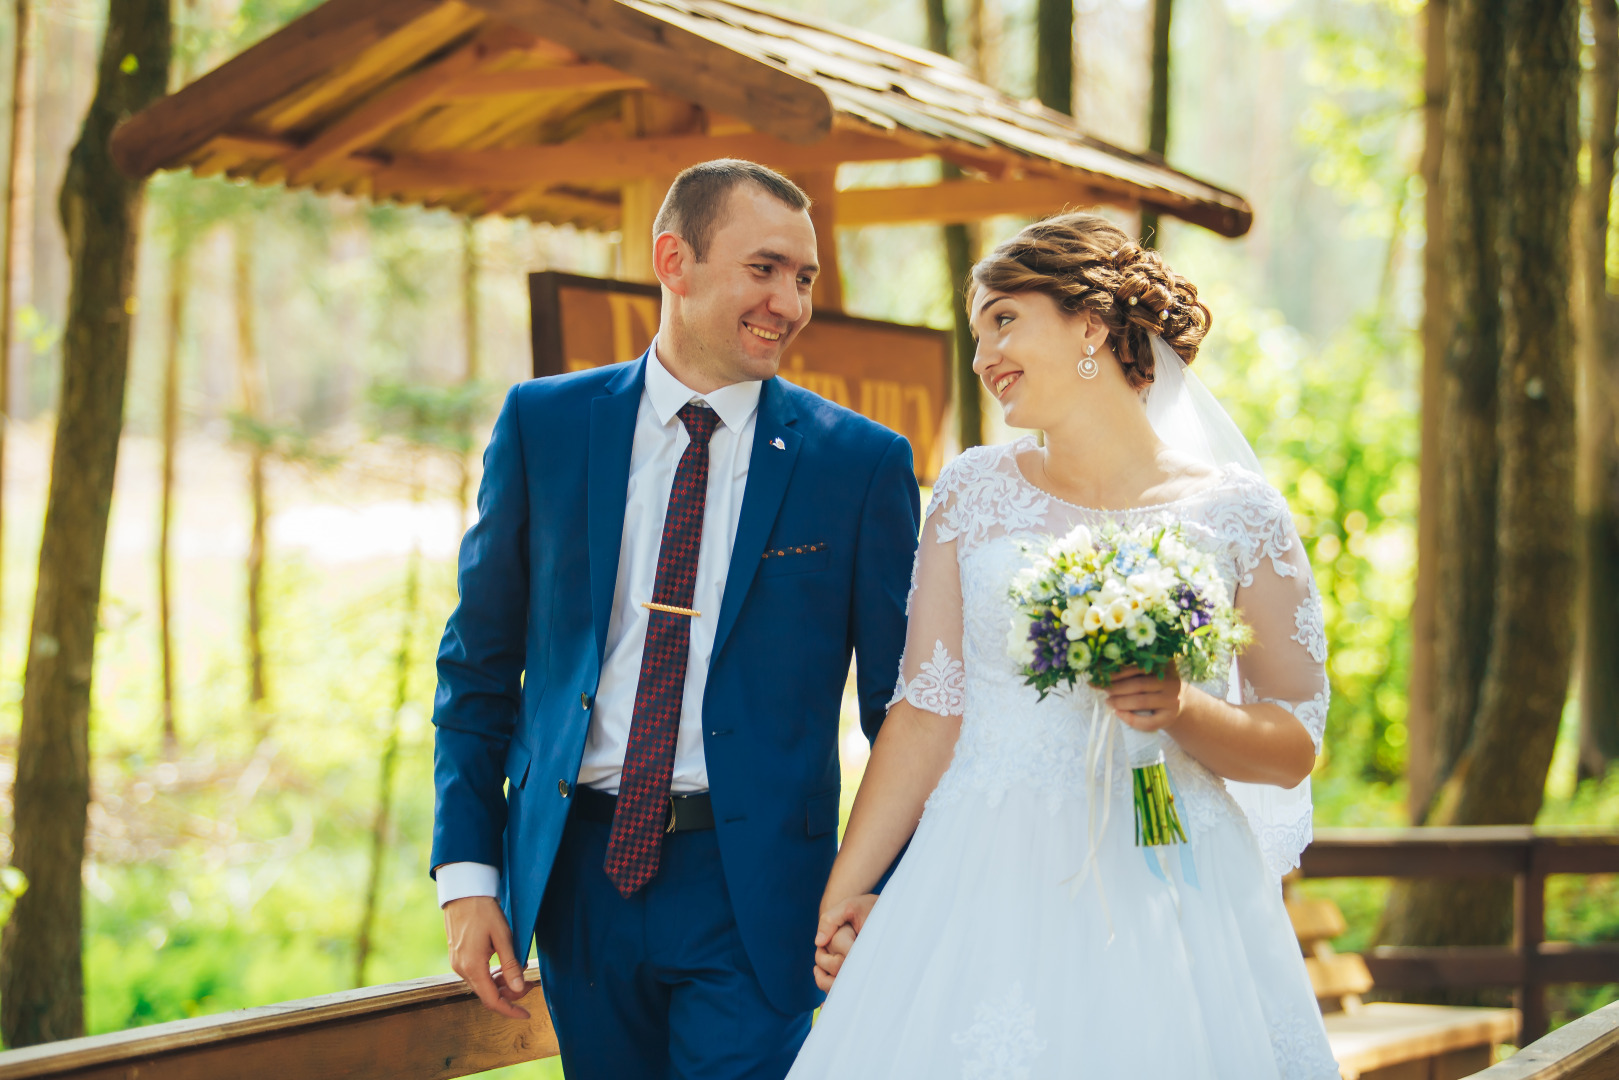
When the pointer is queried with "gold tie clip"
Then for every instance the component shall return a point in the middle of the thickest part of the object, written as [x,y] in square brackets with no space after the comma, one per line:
[671,609]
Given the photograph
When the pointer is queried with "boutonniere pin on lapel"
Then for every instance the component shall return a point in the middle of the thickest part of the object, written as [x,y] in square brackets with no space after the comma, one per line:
[777,443]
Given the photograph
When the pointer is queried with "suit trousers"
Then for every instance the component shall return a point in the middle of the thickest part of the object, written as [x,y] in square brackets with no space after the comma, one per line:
[657,986]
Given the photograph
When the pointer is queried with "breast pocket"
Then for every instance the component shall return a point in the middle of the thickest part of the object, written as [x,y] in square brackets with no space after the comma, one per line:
[795,559]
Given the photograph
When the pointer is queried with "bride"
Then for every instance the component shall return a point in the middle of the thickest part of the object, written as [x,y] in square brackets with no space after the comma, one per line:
[1009,943]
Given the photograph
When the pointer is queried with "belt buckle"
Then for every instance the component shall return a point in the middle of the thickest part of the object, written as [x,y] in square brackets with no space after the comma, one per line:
[671,827]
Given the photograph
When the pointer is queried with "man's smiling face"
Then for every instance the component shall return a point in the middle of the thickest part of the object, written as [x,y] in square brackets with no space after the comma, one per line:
[747,301]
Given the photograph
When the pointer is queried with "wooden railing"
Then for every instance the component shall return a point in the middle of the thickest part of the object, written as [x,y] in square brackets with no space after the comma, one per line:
[434,1028]
[1524,854]
[423,1029]
[1586,1049]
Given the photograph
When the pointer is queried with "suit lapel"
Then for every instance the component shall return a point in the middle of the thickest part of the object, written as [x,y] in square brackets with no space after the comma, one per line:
[769,469]
[612,434]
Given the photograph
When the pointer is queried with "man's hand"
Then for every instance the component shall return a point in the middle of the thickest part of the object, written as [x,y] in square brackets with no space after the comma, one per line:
[834,937]
[1147,702]
[476,930]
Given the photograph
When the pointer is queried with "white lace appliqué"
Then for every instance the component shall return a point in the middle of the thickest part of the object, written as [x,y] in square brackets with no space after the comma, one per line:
[940,684]
[1311,631]
[1002,1040]
[973,498]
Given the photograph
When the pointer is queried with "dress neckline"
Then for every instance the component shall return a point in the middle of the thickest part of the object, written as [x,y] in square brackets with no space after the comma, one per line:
[1018,445]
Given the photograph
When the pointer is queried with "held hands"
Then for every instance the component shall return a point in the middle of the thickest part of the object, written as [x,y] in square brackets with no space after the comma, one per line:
[840,924]
[1148,702]
[477,929]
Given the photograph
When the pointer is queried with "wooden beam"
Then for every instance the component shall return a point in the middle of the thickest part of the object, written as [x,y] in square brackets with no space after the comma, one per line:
[954,202]
[821,187]
[415,1030]
[401,101]
[578,78]
[620,160]
[677,61]
[306,48]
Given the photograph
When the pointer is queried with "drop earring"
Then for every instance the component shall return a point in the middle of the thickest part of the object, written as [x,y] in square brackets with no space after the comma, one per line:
[1087,366]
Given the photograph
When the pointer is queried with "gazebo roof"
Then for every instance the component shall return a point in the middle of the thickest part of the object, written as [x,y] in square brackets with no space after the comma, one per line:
[546,109]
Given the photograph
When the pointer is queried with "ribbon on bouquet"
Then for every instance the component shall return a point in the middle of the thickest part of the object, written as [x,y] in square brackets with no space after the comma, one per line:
[1153,795]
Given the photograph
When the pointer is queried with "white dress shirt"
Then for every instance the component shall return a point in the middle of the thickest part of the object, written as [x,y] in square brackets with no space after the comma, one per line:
[660,440]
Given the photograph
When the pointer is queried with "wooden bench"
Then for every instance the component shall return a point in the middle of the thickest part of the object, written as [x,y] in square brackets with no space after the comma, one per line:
[1385,1040]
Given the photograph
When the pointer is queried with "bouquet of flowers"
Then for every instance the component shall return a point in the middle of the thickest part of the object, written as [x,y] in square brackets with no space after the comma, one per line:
[1092,605]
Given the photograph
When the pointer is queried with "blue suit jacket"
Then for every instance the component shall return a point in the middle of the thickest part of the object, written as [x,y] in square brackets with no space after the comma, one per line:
[522,653]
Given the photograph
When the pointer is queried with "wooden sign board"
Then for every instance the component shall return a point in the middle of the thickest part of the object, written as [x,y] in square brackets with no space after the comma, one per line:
[897,375]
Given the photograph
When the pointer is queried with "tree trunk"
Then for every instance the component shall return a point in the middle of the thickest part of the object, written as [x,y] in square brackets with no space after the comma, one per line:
[1500,776]
[1476,60]
[16,261]
[1054,54]
[1599,452]
[179,281]
[1158,111]
[251,378]
[382,824]
[960,243]
[41,960]
[469,374]
[1435,333]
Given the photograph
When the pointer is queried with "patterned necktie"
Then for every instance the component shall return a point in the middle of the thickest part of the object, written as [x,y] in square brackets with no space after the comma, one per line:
[636,840]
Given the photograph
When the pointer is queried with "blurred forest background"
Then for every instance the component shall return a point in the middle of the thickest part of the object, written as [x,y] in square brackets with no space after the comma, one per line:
[262,806]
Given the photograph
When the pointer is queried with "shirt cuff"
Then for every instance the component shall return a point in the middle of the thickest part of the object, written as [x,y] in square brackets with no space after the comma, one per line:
[459,879]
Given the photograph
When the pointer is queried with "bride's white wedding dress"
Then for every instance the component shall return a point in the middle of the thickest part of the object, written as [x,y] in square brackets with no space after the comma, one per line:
[980,960]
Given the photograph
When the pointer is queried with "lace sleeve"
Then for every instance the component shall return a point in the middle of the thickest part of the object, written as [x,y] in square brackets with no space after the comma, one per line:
[1286,665]
[931,676]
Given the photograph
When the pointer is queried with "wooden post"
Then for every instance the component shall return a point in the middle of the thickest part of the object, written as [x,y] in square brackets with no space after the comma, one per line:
[641,200]
[648,114]
[822,189]
[1529,931]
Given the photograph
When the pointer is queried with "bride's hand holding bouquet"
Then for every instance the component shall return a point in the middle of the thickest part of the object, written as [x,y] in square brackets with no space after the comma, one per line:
[1130,611]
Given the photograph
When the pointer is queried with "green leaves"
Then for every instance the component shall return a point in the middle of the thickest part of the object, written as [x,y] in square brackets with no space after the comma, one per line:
[428,417]
[13,883]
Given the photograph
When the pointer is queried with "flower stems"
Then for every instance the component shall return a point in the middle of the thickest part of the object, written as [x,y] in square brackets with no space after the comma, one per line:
[1157,822]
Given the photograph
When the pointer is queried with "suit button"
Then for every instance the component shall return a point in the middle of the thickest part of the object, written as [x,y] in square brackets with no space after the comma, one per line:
[563,789]
[584,702]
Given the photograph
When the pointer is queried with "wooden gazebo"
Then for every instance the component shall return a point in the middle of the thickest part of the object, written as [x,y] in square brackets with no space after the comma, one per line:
[581,111]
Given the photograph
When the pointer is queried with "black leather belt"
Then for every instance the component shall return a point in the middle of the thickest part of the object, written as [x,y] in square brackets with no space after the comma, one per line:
[686,812]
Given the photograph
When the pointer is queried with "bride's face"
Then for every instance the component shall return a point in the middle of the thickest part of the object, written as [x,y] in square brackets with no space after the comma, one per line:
[1028,352]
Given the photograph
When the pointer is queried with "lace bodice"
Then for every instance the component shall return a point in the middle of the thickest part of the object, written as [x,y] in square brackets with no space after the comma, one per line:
[957,663]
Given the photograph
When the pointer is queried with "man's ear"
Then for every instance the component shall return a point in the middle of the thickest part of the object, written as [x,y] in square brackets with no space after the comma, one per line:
[672,259]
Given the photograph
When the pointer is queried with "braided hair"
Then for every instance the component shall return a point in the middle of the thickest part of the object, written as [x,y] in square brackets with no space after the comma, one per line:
[1087,264]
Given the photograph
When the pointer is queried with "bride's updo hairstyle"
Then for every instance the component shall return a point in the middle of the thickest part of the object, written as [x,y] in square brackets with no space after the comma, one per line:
[1088,264]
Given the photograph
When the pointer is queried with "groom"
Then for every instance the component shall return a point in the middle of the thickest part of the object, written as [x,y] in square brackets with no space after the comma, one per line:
[638,697]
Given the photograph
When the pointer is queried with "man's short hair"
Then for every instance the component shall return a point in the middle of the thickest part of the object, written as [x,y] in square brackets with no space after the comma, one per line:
[692,208]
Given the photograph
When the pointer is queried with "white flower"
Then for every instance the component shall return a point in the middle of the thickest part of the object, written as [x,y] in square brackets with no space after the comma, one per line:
[1077,542]
[1017,636]
[1091,621]
[1073,615]
[1142,632]
[1115,615]
[1079,656]
[1152,585]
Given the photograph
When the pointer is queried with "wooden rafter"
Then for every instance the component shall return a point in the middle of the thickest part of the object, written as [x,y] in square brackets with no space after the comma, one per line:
[616,160]
[402,100]
[958,201]
[575,78]
[305,49]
